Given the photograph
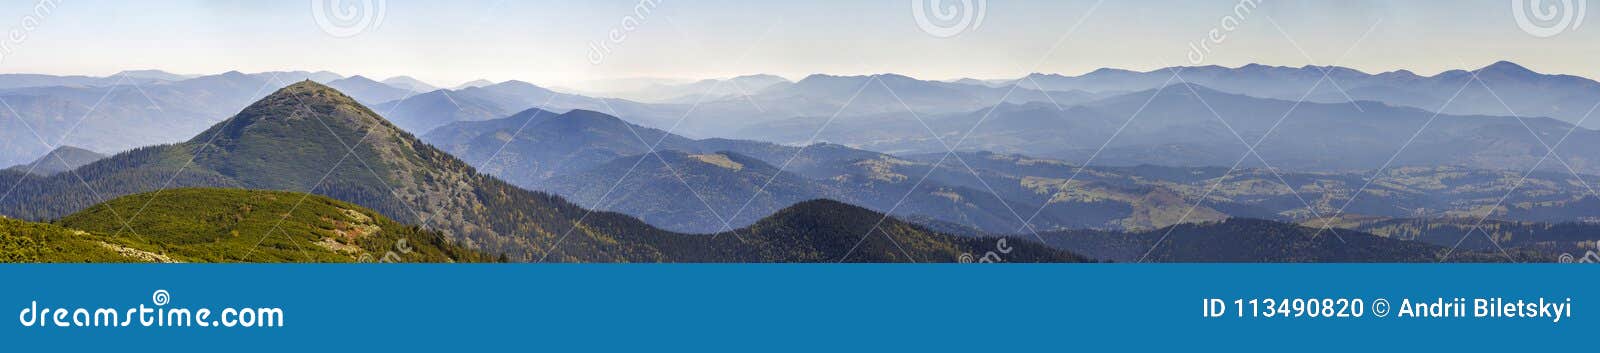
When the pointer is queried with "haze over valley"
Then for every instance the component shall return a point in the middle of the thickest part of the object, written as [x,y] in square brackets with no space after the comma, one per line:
[1041,159]
[758,131]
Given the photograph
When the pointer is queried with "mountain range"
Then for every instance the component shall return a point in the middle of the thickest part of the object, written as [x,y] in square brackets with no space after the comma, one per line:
[368,91]
[1498,89]
[719,112]
[410,84]
[698,186]
[290,140]
[119,113]
[1045,115]
[1192,125]
[702,90]
[1116,152]
[709,185]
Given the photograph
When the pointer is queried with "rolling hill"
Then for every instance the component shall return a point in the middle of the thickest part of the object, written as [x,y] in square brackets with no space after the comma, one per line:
[28,242]
[61,159]
[226,225]
[1248,240]
[425,112]
[1156,192]
[532,146]
[310,138]
[584,155]
[1471,234]
[823,231]
[410,84]
[573,147]
[1175,126]
[713,187]
[368,91]
[728,112]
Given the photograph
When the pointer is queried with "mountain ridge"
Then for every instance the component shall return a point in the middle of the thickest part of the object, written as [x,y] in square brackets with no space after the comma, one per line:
[61,159]
[287,139]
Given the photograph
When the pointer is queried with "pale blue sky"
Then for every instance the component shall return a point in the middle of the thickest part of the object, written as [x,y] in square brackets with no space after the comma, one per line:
[548,42]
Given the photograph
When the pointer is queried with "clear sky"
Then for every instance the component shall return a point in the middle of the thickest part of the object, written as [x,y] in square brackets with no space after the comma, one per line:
[551,42]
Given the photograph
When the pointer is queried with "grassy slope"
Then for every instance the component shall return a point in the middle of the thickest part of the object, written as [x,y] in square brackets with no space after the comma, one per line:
[232,225]
[38,242]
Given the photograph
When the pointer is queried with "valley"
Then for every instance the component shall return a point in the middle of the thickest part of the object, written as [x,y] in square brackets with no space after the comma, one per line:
[1085,168]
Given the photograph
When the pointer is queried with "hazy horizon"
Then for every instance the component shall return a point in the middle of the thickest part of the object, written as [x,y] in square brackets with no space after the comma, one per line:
[555,44]
[1125,161]
[452,84]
